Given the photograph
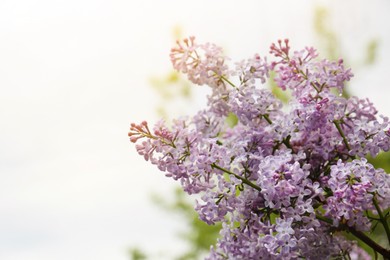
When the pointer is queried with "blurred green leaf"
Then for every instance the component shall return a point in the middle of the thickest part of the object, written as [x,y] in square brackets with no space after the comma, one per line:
[325,33]
[231,120]
[372,49]
[199,235]
[382,160]
[136,254]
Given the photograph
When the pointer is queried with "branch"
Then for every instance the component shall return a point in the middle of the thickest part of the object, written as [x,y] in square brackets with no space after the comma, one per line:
[244,180]
[363,237]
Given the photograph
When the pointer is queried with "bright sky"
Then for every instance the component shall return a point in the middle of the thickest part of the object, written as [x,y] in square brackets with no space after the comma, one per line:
[74,74]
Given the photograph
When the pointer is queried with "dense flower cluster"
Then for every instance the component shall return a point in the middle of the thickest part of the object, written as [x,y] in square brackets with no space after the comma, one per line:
[285,180]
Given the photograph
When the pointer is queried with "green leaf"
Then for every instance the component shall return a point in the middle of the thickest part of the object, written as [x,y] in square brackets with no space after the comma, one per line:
[372,49]
[231,120]
[136,254]
[382,160]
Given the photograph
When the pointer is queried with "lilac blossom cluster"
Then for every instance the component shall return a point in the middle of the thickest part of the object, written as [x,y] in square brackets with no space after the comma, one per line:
[285,180]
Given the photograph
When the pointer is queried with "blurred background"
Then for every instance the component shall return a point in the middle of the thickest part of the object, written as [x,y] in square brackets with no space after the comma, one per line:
[75,74]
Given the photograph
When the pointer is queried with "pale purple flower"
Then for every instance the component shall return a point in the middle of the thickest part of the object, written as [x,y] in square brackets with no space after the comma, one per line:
[283,177]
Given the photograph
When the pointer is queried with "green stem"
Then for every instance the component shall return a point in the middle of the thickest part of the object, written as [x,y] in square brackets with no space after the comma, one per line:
[324,219]
[314,86]
[376,247]
[363,237]
[266,117]
[337,124]
[246,181]
[382,218]
[228,81]
[287,142]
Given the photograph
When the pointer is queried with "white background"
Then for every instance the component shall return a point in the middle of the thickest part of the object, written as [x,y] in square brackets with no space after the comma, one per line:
[74,74]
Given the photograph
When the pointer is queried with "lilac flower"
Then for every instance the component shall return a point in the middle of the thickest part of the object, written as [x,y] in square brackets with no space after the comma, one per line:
[253,106]
[250,70]
[352,185]
[203,63]
[282,180]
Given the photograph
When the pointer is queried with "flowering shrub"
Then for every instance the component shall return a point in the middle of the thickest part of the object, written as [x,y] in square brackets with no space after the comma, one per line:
[285,181]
